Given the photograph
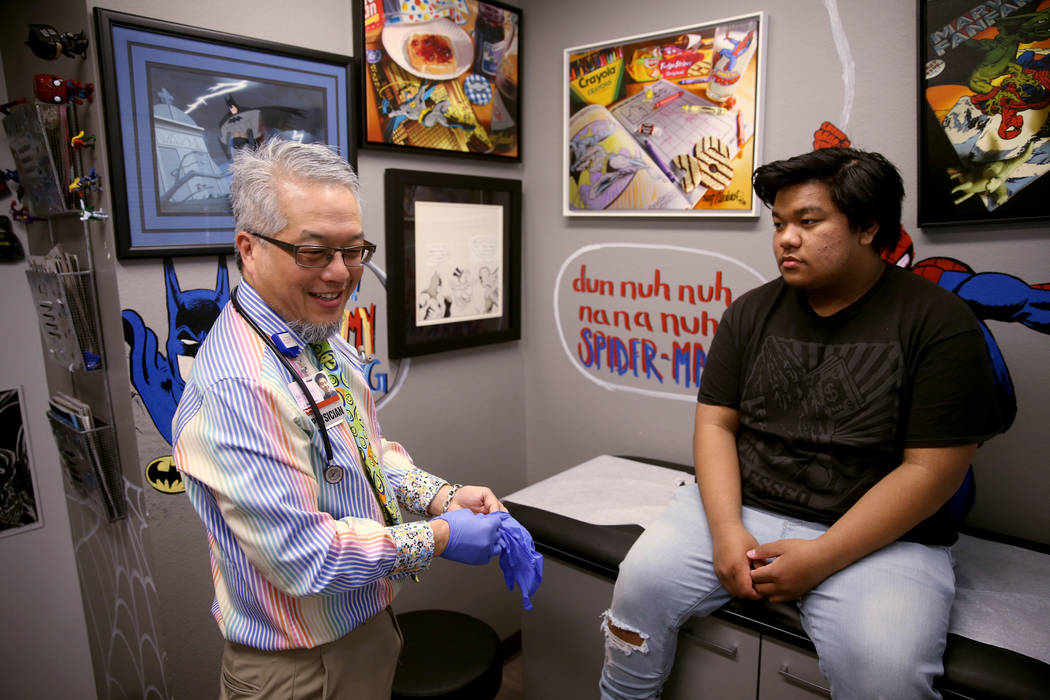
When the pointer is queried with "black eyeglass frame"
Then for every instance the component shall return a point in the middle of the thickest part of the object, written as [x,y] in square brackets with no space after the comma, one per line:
[367,251]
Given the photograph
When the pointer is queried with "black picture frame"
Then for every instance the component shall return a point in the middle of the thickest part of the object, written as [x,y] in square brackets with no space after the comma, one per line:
[178,100]
[978,163]
[453,265]
[482,115]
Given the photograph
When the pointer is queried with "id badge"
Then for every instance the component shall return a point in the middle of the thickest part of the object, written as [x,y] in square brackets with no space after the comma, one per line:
[332,411]
[330,405]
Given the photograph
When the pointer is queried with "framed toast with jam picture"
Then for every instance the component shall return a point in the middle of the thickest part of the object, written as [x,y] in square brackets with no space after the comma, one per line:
[441,76]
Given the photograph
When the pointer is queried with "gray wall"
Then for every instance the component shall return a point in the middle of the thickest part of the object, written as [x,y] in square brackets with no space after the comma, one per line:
[523,411]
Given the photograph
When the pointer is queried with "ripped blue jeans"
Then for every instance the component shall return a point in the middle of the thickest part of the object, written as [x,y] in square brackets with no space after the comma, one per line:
[879,625]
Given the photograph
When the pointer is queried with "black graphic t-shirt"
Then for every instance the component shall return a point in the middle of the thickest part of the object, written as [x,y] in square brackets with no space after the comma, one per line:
[828,405]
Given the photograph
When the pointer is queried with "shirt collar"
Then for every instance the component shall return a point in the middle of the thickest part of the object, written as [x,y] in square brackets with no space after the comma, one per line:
[262,314]
[271,323]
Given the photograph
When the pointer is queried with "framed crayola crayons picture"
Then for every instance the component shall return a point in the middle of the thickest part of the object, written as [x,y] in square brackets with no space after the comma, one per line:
[666,124]
[441,76]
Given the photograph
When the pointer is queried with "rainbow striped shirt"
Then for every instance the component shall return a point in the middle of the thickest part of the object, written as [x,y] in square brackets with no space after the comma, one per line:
[297,562]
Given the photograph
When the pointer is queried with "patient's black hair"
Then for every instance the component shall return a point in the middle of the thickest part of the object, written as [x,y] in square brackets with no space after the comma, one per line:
[865,187]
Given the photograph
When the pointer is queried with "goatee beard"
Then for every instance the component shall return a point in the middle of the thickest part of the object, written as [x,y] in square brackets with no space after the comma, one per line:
[314,332]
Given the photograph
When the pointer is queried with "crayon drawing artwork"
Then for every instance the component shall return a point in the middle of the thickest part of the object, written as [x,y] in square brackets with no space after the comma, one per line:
[665,124]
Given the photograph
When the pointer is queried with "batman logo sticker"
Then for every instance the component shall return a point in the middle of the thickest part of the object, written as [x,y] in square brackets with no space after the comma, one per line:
[162,475]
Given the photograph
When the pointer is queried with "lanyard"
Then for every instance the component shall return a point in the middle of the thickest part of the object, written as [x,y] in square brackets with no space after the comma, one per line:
[288,366]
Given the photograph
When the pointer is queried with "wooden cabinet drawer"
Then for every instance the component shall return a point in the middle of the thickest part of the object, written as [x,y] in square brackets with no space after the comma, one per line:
[790,673]
[715,659]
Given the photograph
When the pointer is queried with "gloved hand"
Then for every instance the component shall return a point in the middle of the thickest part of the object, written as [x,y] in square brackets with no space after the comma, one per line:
[518,558]
[473,538]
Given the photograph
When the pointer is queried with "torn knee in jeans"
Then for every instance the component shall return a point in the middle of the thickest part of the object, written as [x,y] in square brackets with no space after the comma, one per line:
[623,637]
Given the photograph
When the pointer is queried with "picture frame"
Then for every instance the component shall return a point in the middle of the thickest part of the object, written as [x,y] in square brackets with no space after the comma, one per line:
[179,102]
[453,260]
[441,77]
[19,493]
[984,145]
[666,124]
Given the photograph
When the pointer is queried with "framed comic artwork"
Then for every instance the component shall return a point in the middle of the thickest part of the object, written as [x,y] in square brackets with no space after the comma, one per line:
[454,261]
[19,499]
[441,76]
[665,124]
[984,98]
[179,101]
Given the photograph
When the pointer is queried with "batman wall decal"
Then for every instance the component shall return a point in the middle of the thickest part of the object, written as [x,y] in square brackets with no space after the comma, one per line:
[162,475]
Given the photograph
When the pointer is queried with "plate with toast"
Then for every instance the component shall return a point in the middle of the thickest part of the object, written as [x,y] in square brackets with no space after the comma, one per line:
[436,50]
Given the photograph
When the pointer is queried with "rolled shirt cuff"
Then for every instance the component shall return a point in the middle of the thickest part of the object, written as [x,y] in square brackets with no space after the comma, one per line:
[415,547]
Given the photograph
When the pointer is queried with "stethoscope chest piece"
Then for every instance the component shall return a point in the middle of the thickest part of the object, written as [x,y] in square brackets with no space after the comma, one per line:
[333,474]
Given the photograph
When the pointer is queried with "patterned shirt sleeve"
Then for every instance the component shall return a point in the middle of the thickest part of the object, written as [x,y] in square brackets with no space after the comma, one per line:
[416,488]
[415,548]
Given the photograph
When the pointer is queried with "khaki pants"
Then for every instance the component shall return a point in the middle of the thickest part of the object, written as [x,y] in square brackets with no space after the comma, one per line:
[359,666]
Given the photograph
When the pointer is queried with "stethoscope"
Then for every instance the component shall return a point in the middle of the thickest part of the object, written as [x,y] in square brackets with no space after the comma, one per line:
[333,473]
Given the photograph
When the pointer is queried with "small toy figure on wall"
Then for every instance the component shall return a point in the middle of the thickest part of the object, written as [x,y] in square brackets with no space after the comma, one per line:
[57,90]
[82,141]
[10,246]
[48,43]
[20,214]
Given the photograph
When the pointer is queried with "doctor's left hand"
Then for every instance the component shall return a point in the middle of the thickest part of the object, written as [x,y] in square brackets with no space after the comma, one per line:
[479,499]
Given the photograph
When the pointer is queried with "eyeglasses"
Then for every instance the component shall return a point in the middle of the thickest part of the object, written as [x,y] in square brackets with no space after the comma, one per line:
[319,256]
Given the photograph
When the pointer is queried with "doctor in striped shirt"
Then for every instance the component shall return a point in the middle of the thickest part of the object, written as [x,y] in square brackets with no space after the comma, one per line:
[306,553]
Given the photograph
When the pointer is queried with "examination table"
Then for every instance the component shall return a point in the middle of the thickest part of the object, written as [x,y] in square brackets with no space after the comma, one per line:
[998,642]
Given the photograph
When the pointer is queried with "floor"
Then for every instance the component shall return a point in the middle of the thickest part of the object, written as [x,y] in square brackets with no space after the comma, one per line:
[513,687]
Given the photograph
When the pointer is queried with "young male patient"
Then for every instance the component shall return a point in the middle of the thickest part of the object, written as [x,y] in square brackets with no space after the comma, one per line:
[839,409]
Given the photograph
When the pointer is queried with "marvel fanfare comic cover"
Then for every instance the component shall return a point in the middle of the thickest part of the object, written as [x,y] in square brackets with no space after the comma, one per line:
[987,82]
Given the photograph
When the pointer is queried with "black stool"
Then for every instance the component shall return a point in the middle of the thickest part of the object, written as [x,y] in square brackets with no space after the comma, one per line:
[447,655]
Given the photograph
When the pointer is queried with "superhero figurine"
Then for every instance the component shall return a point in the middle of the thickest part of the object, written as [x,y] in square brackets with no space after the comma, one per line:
[20,214]
[81,141]
[56,90]
[47,43]
[85,183]
[87,213]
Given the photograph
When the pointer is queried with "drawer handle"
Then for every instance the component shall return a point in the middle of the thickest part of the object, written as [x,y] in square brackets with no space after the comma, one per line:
[728,652]
[814,688]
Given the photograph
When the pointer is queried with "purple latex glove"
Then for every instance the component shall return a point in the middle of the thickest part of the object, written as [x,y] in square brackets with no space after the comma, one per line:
[518,558]
[473,538]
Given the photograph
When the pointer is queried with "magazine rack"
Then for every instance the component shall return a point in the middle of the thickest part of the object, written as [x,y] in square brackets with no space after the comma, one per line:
[65,296]
[64,301]
[89,460]
[70,330]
